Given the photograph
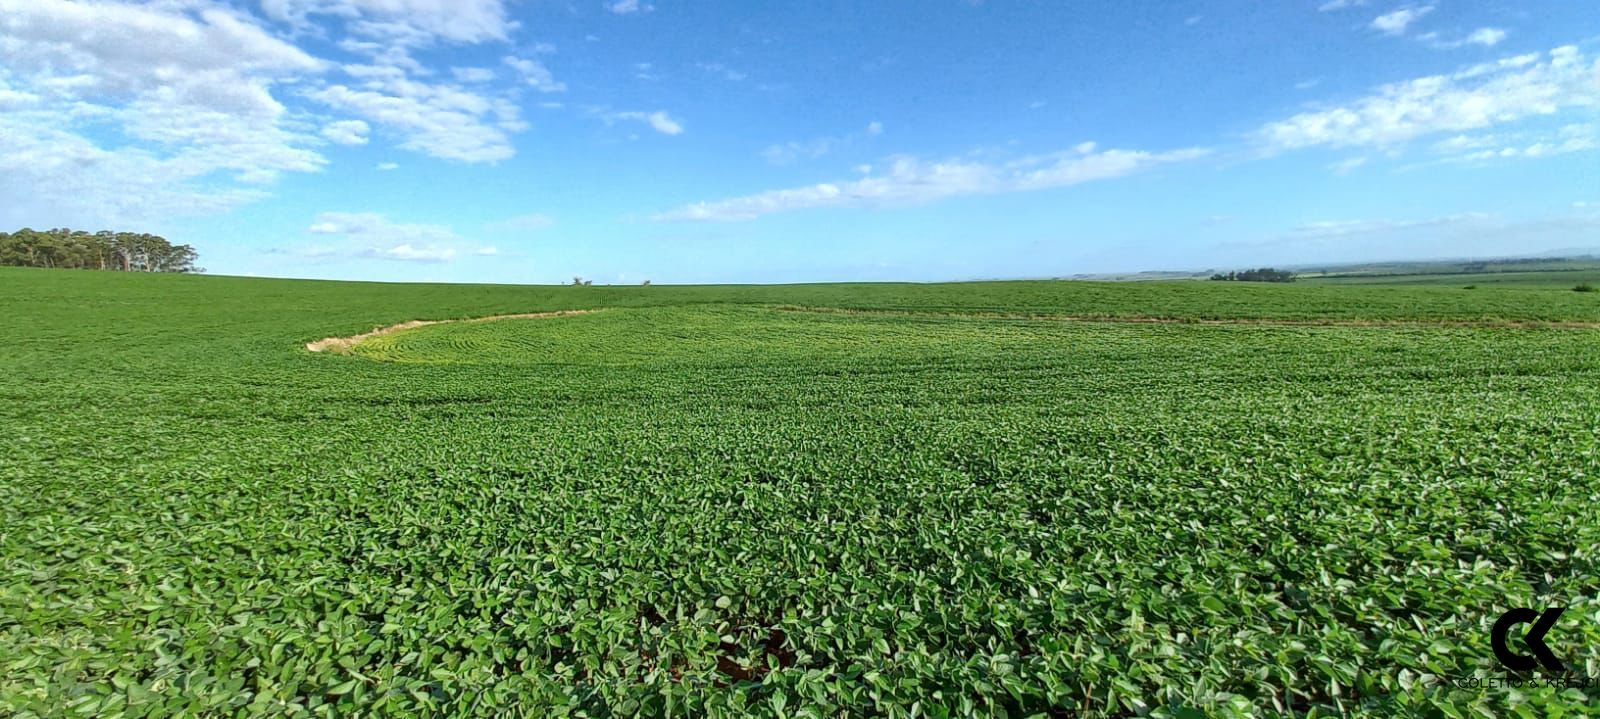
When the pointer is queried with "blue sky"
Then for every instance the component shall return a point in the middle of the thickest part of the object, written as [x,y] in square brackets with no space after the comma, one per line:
[625,140]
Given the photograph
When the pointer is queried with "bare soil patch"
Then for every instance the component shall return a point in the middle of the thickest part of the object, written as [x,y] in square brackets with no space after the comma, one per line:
[343,345]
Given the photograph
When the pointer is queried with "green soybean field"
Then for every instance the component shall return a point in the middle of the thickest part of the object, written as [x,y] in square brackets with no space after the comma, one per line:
[1009,499]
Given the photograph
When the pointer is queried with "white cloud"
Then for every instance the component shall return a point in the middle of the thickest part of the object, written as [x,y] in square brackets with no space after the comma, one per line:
[1486,36]
[1395,23]
[535,74]
[1329,229]
[1482,37]
[1348,165]
[387,166]
[664,124]
[790,152]
[629,7]
[444,121]
[390,31]
[723,70]
[1461,143]
[472,75]
[1475,149]
[910,181]
[659,121]
[372,235]
[347,132]
[407,22]
[1332,5]
[374,226]
[406,252]
[1497,93]
[52,176]
[189,86]
[124,49]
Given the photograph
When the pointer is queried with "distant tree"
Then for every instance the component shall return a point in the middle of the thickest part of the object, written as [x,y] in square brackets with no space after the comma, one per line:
[105,250]
[1265,274]
[645,283]
[577,281]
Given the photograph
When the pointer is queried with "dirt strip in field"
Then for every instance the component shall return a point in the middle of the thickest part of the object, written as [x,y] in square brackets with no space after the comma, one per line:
[342,345]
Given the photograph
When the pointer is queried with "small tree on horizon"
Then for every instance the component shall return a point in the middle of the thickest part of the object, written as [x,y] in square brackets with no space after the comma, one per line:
[1265,274]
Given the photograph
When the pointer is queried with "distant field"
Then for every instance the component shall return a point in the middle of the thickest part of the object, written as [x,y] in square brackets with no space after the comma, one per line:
[1540,279]
[987,499]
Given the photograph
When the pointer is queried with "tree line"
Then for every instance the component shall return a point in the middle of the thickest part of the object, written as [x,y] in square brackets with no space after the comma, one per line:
[1265,274]
[104,250]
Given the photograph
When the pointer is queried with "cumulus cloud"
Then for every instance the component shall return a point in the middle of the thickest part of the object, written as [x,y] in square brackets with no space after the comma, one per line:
[1395,23]
[1527,144]
[723,70]
[52,176]
[346,132]
[535,74]
[391,89]
[406,252]
[409,22]
[910,181]
[472,75]
[659,120]
[1482,37]
[189,85]
[371,235]
[629,7]
[1348,165]
[790,152]
[127,49]
[1502,92]
[1486,36]
[444,121]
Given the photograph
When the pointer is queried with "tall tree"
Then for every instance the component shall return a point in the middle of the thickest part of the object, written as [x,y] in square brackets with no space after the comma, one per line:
[104,250]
